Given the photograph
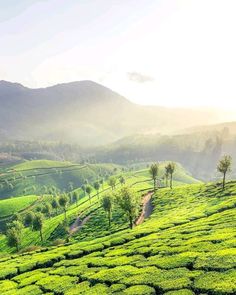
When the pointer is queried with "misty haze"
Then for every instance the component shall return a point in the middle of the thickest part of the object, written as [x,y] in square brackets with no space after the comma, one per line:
[117,147]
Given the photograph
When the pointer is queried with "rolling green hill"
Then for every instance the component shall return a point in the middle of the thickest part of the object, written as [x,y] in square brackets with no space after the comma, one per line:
[186,247]
[42,176]
[139,180]
[13,205]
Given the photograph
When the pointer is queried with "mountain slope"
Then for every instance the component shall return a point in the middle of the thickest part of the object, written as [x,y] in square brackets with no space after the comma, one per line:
[186,247]
[84,112]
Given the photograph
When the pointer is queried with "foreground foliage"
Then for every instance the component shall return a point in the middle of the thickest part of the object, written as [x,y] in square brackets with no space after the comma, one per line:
[187,247]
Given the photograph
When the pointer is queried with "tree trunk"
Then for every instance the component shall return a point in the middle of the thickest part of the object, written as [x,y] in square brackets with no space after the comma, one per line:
[130,222]
[17,247]
[109,218]
[154,184]
[65,213]
[41,235]
[224,180]
[171,180]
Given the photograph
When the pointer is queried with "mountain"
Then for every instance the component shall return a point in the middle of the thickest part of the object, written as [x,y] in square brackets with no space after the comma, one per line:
[228,128]
[86,113]
[199,151]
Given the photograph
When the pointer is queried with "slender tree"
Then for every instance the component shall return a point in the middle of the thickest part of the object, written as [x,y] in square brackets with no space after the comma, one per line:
[14,234]
[13,238]
[47,209]
[55,204]
[63,201]
[102,182]
[75,198]
[97,187]
[70,186]
[29,217]
[170,169]
[122,179]
[224,166]
[38,224]
[129,202]
[107,202]
[83,187]
[166,176]
[153,170]
[112,182]
[88,191]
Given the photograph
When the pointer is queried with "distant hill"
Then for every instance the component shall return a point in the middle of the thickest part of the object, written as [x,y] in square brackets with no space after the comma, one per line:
[228,128]
[86,113]
[42,176]
[199,151]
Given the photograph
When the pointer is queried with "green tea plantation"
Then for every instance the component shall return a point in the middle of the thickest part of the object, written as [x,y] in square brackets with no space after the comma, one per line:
[187,246]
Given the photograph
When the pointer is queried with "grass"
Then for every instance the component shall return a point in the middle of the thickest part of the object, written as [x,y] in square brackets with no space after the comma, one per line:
[37,176]
[186,247]
[97,225]
[11,206]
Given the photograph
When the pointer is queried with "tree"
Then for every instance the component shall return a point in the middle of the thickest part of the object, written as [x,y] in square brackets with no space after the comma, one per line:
[29,217]
[47,209]
[122,179]
[129,202]
[83,187]
[38,224]
[70,186]
[107,202]
[170,169]
[166,176]
[55,204]
[63,200]
[13,238]
[224,166]
[14,234]
[97,187]
[102,182]
[112,182]
[88,191]
[153,170]
[75,198]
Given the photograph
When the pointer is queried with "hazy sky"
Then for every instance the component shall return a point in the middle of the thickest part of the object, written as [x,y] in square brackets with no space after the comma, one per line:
[173,53]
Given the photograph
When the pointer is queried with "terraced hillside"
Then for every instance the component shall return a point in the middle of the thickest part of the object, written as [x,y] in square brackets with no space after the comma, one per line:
[42,176]
[186,247]
[96,225]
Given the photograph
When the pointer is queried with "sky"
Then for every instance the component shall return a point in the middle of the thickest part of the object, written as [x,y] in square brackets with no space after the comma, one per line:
[159,52]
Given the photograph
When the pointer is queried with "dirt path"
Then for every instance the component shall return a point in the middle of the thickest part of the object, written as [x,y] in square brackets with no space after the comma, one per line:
[78,224]
[147,208]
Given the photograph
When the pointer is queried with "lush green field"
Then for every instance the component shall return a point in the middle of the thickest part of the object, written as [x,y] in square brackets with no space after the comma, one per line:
[41,176]
[140,180]
[186,247]
[13,205]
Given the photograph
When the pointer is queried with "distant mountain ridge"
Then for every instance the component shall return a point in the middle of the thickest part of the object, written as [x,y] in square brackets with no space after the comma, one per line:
[84,112]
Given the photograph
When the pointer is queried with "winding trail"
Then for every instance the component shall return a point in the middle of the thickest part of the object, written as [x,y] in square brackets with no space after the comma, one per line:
[78,224]
[147,208]
[146,212]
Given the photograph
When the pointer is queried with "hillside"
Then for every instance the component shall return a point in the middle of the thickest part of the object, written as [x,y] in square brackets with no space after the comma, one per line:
[86,113]
[186,247]
[199,151]
[229,128]
[137,179]
[43,176]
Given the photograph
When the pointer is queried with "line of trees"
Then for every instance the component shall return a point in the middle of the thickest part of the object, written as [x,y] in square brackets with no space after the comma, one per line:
[168,175]
[126,199]
[35,220]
